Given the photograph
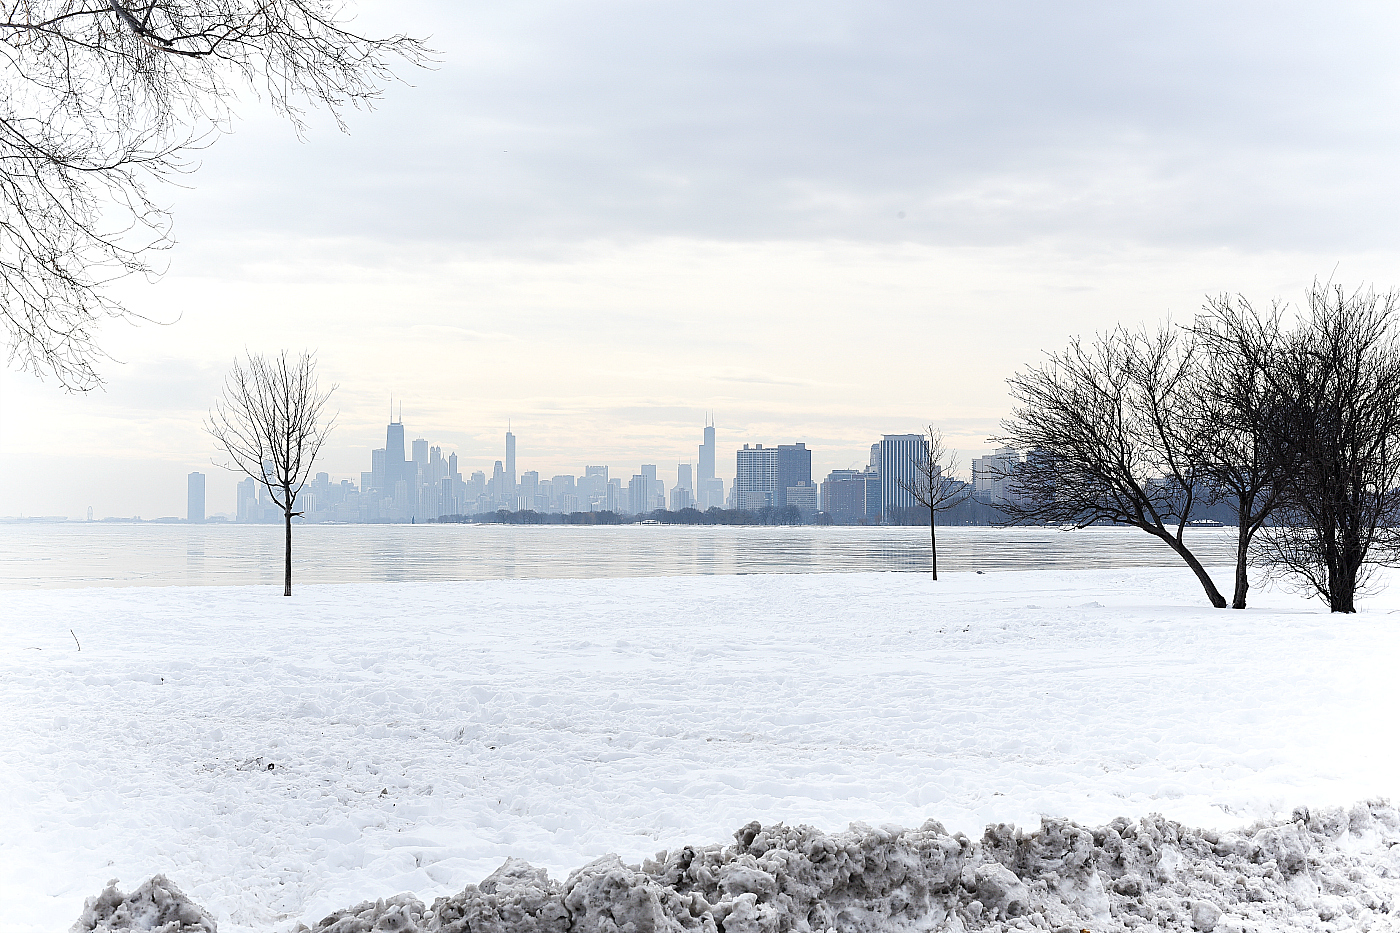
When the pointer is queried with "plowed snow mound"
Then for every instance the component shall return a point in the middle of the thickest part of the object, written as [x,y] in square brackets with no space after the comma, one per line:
[1325,870]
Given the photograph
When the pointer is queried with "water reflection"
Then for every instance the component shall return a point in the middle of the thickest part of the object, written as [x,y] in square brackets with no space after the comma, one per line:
[80,554]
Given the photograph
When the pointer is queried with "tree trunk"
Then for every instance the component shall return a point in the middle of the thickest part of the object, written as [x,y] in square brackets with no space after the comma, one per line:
[933,541]
[1207,583]
[287,588]
[1242,564]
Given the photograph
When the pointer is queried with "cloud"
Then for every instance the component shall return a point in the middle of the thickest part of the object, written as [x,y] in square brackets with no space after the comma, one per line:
[1252,125]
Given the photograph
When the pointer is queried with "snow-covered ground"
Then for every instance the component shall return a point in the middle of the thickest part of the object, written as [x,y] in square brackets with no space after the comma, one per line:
[282,758]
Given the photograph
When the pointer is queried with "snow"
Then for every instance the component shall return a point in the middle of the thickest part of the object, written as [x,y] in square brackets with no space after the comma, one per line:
[282,759]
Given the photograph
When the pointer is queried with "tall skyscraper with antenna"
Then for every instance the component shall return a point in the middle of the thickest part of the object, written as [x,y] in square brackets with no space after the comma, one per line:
[709,490]
[509,492]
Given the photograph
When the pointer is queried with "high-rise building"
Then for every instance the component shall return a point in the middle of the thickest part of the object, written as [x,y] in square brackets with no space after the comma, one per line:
[755,477]
[639,494]
[683,476]
[794,469]
[900,455]
[657,494]
[528,488]
[395,464]
[709,490]
[420,452]
[248,509]
[194,489]
[707,454]
[509,492]
[803,497]
[994,475]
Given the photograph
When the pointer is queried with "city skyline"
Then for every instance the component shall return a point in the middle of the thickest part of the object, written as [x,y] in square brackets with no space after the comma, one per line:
[434,483]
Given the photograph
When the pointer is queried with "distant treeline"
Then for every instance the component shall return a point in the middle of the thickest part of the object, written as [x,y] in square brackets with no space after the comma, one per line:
[970,512]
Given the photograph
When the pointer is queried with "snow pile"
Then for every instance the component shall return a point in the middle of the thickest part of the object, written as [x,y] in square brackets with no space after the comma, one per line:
[157,906]
[1327,870]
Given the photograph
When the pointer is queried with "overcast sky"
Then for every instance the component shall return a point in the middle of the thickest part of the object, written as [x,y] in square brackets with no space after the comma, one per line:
[819,221]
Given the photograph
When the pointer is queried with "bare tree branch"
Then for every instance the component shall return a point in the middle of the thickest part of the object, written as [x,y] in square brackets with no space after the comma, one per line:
[101,100]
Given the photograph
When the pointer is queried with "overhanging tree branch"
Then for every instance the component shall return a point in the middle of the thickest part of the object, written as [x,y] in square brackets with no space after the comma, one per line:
[102,100]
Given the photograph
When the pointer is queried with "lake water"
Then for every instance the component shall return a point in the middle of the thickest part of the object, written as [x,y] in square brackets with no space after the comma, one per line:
[96,554]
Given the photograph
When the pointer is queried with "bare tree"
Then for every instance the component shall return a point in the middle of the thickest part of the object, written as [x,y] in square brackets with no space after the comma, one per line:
[269,424]
[1338,425]
[1237,405]
[933,485]
[101,98]
[1110,438]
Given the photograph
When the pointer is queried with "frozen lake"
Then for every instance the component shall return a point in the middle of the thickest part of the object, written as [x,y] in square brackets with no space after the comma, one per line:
[76,554]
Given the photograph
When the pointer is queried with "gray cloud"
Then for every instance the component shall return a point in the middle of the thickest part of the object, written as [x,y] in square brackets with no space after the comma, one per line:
[1263,126]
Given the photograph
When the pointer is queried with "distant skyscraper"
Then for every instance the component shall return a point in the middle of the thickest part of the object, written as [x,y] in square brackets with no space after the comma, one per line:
[248,510]
[510,457]
[683,476]
[420,451]
[709,491]
[993,475]
[395,464]
[707,455]
[194,509]
[639,494]
[794,469]
[755,477]
[658,489]
[899,456]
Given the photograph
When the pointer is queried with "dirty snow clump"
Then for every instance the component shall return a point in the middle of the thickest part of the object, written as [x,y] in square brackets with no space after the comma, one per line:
[1327,870]
[155,907]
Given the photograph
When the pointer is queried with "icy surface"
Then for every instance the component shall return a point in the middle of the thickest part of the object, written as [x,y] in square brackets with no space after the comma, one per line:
[281,760]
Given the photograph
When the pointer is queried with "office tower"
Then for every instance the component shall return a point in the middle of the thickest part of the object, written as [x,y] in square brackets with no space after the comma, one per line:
[510,462]
[394,461]
[528,488]
[194,508]
[379,471]
[248,510]
[794,470]
[993,475]
[496,489]
[593,488]
[707,454]
[803,497]
[709,491]
[681,498]
[900,455]
[683,495]
[420,452]
[843,496]
[658,488]
[639,494]
[755,477]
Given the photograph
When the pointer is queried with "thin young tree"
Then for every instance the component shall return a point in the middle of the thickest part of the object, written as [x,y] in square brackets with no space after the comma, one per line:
[269,422]
[1110,438]
[1338,425]
[100,100]
[934,487]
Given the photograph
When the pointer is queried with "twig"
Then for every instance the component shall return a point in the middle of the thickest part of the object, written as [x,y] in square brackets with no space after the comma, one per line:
[75,640]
